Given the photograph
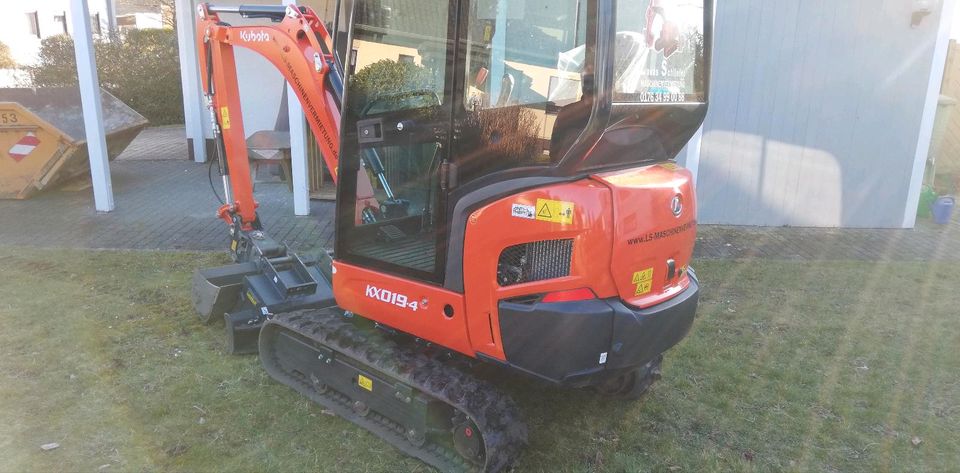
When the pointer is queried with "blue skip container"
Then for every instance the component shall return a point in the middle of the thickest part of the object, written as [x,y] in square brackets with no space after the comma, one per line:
[942,209]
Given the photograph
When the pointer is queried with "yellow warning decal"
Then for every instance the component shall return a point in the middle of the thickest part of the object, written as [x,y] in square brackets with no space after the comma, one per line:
[253,300]
[224,118]
[644,281]
[233,245]
[555,211]
[365,382]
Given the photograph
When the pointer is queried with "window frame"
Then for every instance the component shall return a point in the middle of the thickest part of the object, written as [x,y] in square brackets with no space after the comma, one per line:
[34,23]
[62,18]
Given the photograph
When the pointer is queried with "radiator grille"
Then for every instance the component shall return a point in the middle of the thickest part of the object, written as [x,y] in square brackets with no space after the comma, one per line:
[536,261]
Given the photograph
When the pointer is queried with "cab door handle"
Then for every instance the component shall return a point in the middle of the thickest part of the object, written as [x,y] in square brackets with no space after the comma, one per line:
[370,131]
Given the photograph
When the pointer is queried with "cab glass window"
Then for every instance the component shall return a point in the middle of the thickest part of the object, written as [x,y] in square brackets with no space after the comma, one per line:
[525,61]
[659,51]
[398,95]
[399,56]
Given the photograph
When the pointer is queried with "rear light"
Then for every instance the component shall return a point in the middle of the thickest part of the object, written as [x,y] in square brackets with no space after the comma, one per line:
[574,295]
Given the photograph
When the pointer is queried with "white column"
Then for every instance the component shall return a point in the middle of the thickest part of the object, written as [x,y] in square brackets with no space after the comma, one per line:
[498,52]
[92,109]
[692,157]
[298,150]
[948,8]
[194,109]
[111,15]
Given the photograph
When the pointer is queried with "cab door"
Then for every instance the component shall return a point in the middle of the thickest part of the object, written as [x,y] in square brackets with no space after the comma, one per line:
[396,136]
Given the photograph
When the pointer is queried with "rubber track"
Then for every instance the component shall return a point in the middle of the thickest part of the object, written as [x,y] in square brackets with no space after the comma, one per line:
[494,413]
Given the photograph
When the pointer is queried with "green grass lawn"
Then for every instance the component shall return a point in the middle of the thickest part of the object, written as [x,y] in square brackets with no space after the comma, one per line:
[790,366]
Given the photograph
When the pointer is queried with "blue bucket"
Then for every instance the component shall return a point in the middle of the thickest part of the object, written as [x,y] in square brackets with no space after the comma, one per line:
[942,209]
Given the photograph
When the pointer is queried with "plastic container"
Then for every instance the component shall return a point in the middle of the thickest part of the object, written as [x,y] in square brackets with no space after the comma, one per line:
[942,209]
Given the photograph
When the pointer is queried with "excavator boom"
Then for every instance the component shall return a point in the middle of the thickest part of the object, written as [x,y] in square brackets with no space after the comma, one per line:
[301,49]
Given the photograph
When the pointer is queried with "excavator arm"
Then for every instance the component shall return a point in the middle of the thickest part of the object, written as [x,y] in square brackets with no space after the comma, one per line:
[300,47]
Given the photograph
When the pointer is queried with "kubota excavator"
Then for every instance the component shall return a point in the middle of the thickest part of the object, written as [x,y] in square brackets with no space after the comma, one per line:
[506,194]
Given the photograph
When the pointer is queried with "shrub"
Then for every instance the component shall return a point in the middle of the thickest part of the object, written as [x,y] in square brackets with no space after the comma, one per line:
[56,65]
[502,138]
[386,78]
[139,67]
[6,59]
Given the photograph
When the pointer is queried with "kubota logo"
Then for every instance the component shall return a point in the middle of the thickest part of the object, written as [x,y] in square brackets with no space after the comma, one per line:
[676,205]
[392,298]
[255,37]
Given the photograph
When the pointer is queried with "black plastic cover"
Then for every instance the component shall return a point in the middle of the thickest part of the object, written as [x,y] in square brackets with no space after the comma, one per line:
[577,343]
[557,340]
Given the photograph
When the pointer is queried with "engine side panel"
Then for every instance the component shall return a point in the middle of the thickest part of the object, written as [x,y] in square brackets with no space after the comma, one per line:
[655,210]
[579,211]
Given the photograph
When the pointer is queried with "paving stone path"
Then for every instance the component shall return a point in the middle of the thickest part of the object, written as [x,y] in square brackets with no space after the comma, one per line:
[157,143]
[928,242]
[164,202]
[160,205]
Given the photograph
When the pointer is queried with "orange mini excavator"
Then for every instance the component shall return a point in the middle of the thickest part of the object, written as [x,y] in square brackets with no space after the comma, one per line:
[506,195]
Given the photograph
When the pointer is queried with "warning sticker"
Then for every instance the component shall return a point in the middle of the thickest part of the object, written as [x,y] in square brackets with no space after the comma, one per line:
[524,211]
[365,382]
[669,166]
[644,281]
[555,211]
[24,146]
[224,118]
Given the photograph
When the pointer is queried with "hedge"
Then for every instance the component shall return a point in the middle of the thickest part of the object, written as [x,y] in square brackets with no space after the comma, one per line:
[139,67]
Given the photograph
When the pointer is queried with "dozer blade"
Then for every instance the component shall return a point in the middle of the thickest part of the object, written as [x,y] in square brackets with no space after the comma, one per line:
[421,405]
[243,331]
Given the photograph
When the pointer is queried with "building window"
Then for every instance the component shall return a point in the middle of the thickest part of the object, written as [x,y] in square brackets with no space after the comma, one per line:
[34,21]
[407,59]
[95,24]
[62,19]
[126,22]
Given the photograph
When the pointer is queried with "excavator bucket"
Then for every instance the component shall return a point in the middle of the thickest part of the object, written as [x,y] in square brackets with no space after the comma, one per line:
[216,291]
[42,137]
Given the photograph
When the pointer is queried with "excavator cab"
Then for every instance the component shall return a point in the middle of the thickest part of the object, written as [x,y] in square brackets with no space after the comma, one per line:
[450,99]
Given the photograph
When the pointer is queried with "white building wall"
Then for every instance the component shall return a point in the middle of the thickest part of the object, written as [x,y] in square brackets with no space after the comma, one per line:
[140,21]
[15,29]
[816,111]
